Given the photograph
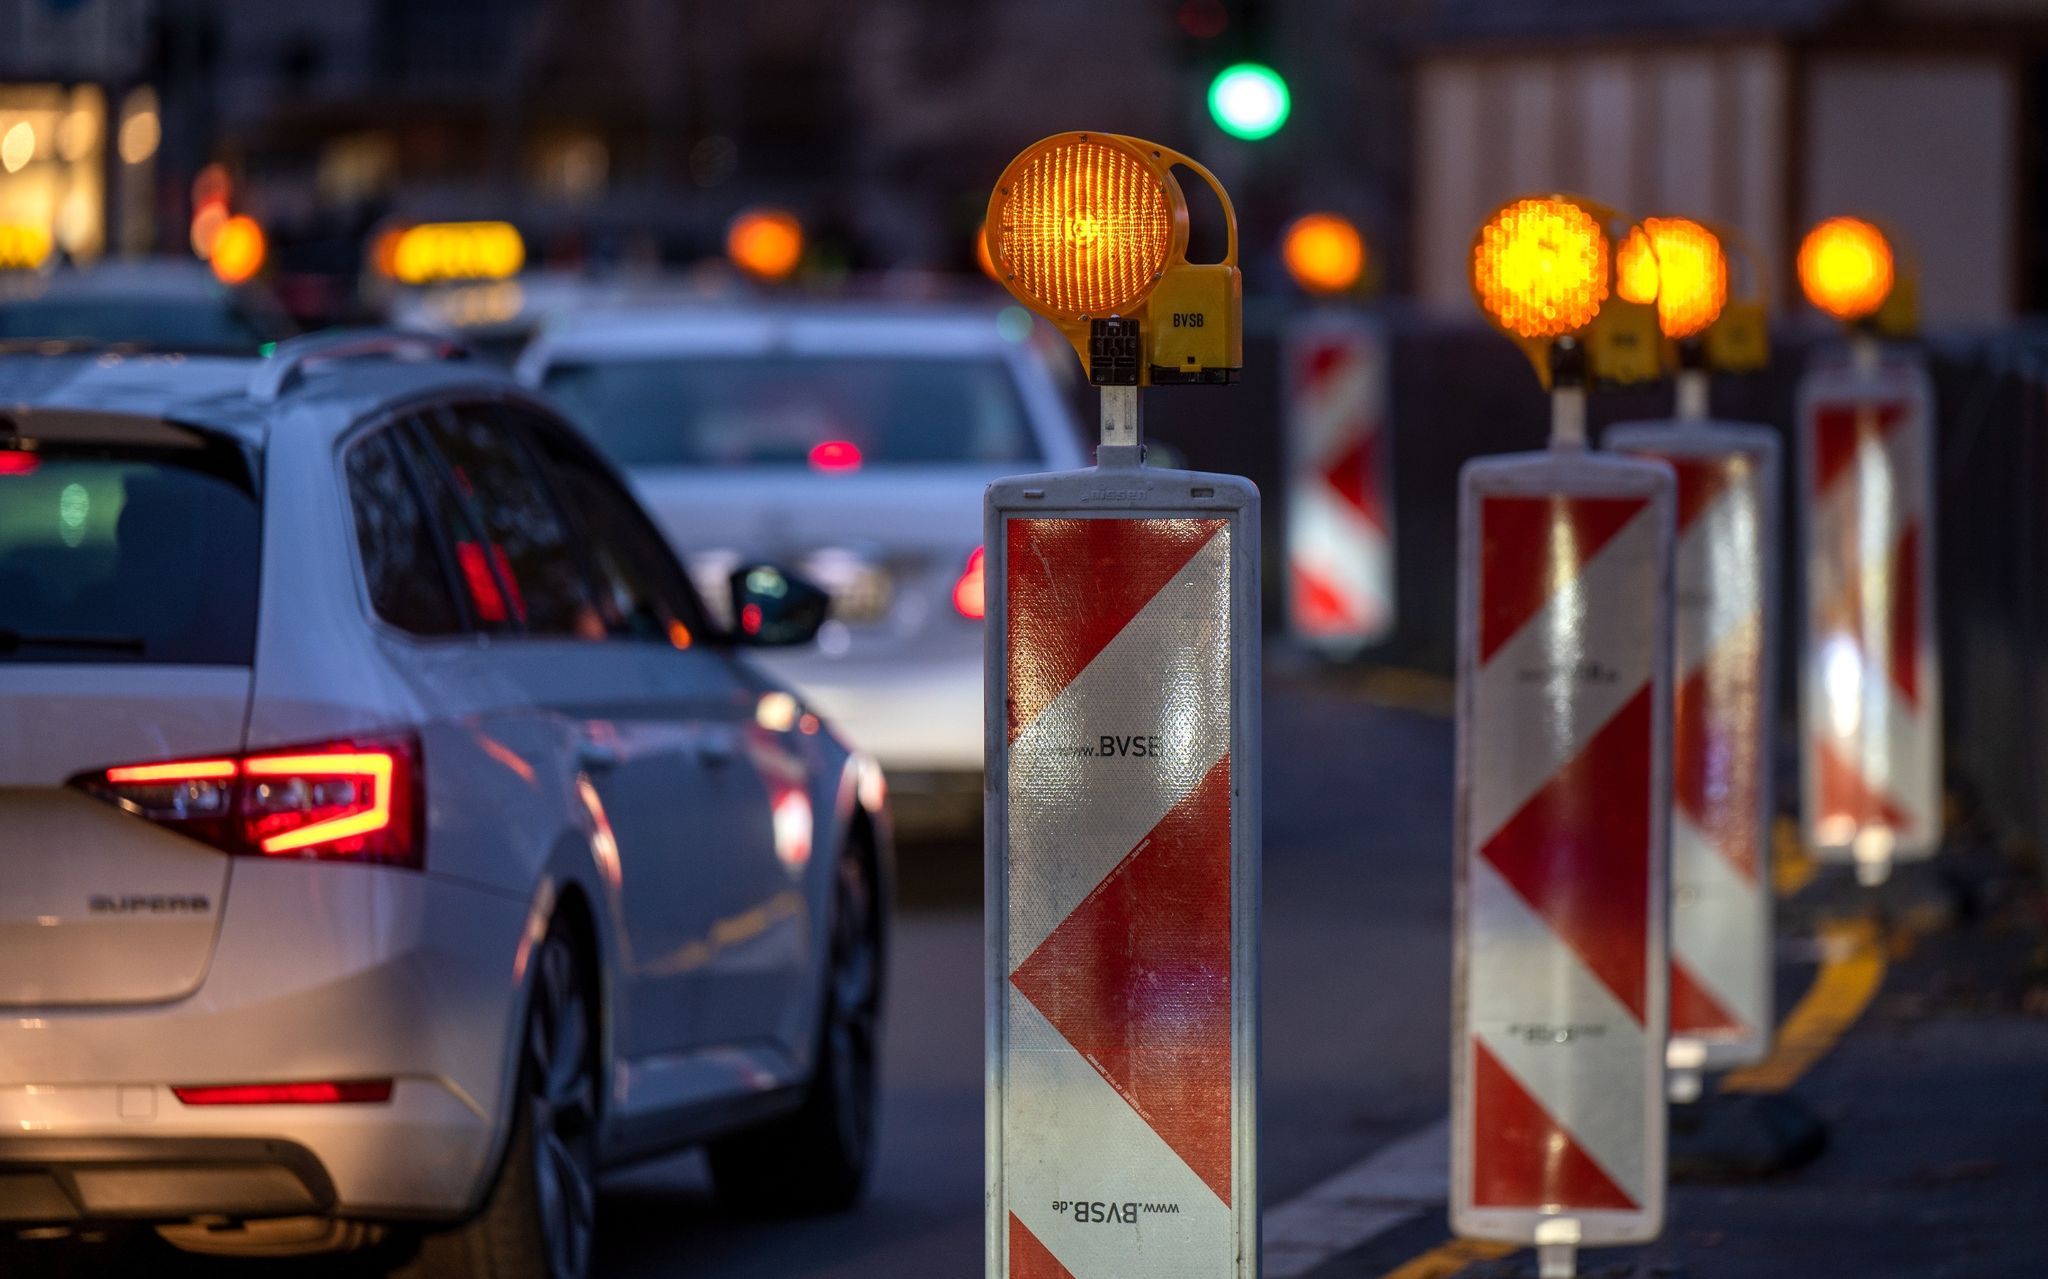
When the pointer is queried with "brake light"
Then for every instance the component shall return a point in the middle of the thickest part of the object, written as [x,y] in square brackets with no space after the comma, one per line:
[347,801]
[835,455]
[967,592]
[315,1094]
[16,462]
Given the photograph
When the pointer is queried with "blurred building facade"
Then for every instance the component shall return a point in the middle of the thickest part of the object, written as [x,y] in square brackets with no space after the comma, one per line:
[1764,114]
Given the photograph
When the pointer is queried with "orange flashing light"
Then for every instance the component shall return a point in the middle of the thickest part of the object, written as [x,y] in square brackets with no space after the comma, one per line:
[1846,268]
[1324,253]
[1539,267]
[1692,275]
[765,243]
[1636,277]
[238,250]
[1085,225]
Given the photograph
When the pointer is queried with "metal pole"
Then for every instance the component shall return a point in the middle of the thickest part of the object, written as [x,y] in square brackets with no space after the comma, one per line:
[1123,425]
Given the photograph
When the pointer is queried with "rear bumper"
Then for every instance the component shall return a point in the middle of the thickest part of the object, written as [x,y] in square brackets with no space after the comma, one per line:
[57,1181]
[321,973]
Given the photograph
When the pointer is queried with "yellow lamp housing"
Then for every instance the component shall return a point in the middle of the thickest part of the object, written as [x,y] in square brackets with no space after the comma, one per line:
[1090,230]
[1546,273]
[1739,341]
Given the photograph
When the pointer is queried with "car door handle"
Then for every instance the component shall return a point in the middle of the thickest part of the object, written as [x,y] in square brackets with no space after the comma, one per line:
[597,757]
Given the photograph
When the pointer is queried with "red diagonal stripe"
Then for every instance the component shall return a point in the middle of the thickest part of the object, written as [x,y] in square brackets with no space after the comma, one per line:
[1137,979]
[1579,853]
[1715,768]
[1354,476]
[1695,1010]
[1837,431]
[1030,1259]
[1521,1156]
[1846,798]
[1701,482]
[1906,616]
[1319,606]
[1528,545]
[1073,587]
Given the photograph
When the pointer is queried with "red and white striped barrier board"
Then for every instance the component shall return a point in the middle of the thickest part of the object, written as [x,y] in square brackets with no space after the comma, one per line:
[1340,528]
[1123,890]
[1870,682]
[1724,638]
[1564,675]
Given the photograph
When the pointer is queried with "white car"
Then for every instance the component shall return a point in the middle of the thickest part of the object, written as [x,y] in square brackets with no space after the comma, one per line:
[852,442]
[389,844]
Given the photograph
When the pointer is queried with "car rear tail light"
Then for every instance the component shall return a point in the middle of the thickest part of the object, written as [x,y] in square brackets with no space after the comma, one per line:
[16,462]
[835,455]
[967,592]
[343,801]
[357,1091]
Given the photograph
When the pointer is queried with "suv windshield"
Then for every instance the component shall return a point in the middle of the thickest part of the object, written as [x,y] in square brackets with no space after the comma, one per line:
[126,554]
[829,412]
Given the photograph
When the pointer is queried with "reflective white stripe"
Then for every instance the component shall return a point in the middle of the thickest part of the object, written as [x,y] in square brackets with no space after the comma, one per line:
[1059,852]
[1709,611]
[1330,539]
[1515,754]
[1593,1083]
[1069,1137]
[1722,942]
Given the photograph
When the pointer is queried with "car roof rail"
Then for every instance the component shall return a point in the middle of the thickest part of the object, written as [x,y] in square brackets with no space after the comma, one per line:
[286,367]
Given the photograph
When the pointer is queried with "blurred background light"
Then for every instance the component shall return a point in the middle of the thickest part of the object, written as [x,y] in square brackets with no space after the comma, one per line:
[767,244]
[1249,100]
[1846,268]
[1324,252]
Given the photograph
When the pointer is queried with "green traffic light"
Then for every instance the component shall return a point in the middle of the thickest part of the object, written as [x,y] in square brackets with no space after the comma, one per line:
[1249,101]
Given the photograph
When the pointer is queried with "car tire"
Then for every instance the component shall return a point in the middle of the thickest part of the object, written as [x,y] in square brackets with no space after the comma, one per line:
[816,1160]
[539,1219]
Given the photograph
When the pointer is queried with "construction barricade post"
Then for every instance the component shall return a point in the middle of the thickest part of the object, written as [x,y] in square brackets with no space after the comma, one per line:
[1870,685]
[1340,527]
[1558,1117]
[1122,746]
[1724,646]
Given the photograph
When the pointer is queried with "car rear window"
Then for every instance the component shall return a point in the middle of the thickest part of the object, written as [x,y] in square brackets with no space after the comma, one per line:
[827,412]
[128,555]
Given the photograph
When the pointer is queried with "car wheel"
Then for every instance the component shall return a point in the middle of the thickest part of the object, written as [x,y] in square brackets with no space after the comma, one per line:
[539,1219]
[817,1159]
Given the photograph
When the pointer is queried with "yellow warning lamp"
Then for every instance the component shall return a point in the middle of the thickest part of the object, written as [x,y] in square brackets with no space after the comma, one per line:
[1849,269]
[1545,273]
[1324,252]
[239,249]
[767,244]
[1090,230]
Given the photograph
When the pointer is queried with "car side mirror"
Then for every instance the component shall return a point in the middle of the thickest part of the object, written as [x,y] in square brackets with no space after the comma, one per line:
[774,608]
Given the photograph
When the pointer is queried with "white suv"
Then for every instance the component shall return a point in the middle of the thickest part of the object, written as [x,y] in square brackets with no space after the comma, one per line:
[388,844]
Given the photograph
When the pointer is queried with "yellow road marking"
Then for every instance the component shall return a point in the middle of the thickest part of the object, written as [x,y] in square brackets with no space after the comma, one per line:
[1447,1259]
[1792,867]
[1852,968]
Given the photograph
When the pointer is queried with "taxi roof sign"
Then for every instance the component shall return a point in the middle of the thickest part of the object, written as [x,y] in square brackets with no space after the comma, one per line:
[1089,228]
[439,252]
